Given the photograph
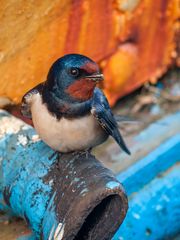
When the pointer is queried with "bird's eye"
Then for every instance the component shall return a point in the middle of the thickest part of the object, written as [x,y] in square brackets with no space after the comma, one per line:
[74,72]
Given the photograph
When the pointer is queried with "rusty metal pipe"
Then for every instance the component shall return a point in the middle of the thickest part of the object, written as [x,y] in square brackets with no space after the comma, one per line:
[69,196]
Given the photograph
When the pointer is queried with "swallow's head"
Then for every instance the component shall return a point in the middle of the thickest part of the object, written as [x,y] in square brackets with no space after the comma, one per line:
[74,75]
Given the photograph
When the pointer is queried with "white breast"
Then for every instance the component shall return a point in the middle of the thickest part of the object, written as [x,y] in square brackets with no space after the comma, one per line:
[65,135]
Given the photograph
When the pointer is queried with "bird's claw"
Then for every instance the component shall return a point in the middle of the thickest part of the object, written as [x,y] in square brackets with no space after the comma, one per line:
[78,154]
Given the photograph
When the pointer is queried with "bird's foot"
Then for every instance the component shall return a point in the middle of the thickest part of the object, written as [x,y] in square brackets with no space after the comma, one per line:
[85,152]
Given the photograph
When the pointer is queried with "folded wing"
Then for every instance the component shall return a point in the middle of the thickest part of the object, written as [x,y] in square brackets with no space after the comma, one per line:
[101,111]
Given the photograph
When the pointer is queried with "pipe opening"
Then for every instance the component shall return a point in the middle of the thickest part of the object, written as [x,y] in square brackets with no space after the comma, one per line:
[101,219]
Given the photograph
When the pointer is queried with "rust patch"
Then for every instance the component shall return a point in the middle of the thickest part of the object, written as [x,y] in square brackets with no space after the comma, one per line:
[74,26]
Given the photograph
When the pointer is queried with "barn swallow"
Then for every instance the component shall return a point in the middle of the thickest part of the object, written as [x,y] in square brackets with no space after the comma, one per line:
[69,112]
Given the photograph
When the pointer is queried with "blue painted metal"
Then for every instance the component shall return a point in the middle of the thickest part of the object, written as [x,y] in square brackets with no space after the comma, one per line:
[155,163]
[19,177]
[152,184]
[154,212]
[153,187]
[54,195]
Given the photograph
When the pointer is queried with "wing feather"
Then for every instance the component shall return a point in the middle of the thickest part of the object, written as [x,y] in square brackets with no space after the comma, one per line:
[101,111]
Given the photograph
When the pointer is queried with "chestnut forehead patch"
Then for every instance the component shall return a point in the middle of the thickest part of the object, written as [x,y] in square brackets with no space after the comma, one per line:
[90,67]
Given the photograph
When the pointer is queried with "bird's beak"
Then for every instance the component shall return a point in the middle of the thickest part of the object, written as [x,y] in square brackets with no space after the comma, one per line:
[96,77]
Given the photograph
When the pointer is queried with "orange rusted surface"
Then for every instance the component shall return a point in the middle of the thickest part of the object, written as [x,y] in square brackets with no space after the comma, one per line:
[147,47]
[133,41]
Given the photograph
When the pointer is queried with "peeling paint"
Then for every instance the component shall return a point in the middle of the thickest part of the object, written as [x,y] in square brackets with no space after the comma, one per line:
[35,138]
[51,182]
[51,233]
[112,185]
[85,190]
[59,231]
[49,223]
[136,216]
[22,140]
[159,207]
[26,127]
[36,191]
[24,188]
[9,125]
